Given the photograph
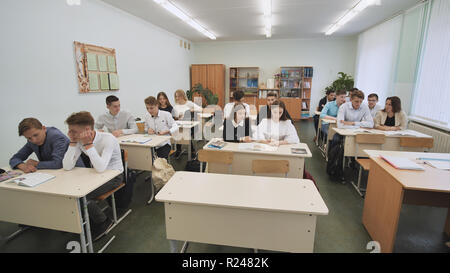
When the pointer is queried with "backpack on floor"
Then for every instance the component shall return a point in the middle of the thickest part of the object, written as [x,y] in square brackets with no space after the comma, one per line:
[335,157]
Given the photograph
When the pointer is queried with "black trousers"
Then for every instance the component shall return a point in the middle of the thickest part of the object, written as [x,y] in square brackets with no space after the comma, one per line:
[163,151]
[316,122]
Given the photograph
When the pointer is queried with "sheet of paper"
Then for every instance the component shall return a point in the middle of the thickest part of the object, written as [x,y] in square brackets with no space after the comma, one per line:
[402,163]
[91,61]
[113,81]
[93,81]
[111,64]
[102,65]
[104,81]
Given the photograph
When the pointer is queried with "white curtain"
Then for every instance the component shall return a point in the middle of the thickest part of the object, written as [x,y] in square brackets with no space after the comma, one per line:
[377,57]
[432,93]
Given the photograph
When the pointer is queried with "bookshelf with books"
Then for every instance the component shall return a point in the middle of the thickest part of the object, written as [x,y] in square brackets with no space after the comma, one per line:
[245,79]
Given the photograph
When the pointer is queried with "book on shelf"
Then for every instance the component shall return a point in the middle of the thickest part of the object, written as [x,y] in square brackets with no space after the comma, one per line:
[32,179]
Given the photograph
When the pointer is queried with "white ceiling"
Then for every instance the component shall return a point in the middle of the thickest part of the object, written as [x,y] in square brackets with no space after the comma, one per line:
[235,20]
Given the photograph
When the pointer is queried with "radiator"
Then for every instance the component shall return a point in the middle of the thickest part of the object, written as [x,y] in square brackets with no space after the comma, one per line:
[441,138]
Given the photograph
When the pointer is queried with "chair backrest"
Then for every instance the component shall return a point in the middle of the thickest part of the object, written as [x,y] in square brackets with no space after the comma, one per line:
[270,166]
[370,138]
[418,142]
[211,156]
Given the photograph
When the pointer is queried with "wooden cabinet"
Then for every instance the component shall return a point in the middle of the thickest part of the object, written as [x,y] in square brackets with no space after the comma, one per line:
[211,76]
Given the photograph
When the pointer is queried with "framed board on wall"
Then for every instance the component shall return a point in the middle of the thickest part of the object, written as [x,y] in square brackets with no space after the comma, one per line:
[96,68]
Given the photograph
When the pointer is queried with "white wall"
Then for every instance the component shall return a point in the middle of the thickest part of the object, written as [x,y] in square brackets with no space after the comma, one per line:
[38,73]
[328,56]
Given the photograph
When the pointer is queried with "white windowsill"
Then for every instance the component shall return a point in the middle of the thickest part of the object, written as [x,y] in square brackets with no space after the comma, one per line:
[430,123]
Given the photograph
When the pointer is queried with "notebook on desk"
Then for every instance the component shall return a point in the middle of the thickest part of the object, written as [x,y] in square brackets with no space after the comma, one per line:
[32,179]
[140,140]
[402,163]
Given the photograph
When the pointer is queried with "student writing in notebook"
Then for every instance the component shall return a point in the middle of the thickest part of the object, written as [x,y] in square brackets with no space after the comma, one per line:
[48,143]
[354,114]
[236,127]
[277,129]
[116,121]
[158,122]
[392,117]
[101,151]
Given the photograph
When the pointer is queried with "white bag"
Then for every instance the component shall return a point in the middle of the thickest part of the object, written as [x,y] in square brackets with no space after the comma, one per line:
[161,172]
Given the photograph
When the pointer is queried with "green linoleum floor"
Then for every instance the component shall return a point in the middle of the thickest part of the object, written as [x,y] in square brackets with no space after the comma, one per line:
[420,228]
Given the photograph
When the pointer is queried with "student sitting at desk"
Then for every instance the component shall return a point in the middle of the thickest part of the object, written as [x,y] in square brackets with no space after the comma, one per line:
[117,122]
[354,114]
[238,97]
[158,122]
[101,151]
[236,127]
[164,103]
[277,129]
[330,96]
[374,107]
[350,92]
[183,107]
[392,117]
[331,109]
[263,111]
[49,145]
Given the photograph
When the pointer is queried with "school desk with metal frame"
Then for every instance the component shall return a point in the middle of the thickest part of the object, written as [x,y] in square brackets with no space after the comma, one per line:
[255,212]
[184,134]
[389,188]
[392,143]
[142,155]
[57,204]
[319,141]
[242,159]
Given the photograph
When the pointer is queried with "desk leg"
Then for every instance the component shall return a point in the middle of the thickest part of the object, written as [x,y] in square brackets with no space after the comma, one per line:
[189,150]
[88,226]
[447,223]
[152,187]
[82,234]
[382,206]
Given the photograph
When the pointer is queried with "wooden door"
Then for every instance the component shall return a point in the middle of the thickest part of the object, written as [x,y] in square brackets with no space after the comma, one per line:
[198,75]
[293,106]
[216,81]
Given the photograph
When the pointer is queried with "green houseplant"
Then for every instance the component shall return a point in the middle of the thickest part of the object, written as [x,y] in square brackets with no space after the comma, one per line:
[209,97]
[343,82]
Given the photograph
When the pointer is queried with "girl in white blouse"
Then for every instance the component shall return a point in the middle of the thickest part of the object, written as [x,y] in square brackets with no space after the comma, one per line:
[182,104]
[277,129]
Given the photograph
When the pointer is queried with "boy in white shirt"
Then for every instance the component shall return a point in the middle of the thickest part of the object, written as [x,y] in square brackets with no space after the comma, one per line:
[238,97]
[354,114]
[99,150]
[161,123]
[116,121]
[374,107]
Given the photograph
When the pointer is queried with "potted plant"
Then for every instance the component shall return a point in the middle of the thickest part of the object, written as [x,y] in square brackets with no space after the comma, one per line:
[344,82]
[208,98]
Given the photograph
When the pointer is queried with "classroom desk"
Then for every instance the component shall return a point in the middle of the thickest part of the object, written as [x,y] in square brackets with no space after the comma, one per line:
[244,211]
[331,124]
[242,160]
[392,143]
[184,135]
[141,156]
[55,204]
[389,188]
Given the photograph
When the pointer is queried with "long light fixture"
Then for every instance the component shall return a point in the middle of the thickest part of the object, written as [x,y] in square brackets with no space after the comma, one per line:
[363,4]
[268,18]
[186,18]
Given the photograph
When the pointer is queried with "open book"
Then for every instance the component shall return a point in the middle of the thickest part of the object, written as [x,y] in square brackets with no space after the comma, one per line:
[140,140]
[9,174]
[404,133]
[32,179]
[217,144]
[402,163]
[257,147]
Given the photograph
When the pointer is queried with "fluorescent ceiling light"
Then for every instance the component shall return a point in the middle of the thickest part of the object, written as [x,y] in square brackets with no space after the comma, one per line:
[186,18]
[268,18]
[363,4]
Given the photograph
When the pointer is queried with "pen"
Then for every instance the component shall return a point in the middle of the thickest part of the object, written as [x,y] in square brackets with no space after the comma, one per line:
[437,159]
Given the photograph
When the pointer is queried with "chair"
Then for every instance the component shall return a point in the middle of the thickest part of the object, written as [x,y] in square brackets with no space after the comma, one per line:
[104,196]
[270,166]
[416,142]
[364,164]
[220,157]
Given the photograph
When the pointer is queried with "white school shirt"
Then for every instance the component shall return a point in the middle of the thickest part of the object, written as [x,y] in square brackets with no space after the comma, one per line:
[179,109]
[163,121]
[122,121]
[375,109]
[282,130]
[229,108]
[105,155]
[360,116]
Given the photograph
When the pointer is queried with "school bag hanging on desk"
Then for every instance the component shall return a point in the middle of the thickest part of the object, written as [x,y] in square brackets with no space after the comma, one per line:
[335,158]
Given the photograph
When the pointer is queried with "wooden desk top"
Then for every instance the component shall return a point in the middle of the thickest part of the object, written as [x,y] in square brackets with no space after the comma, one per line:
[431,179]
[352,132]
[331,121]
[283,150]
[155,140]
[74,183]
[246,192]
[186,124]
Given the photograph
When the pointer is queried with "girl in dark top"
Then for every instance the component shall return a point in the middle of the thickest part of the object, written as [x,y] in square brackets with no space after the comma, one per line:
[164,103]
[236,127]
[391,118]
